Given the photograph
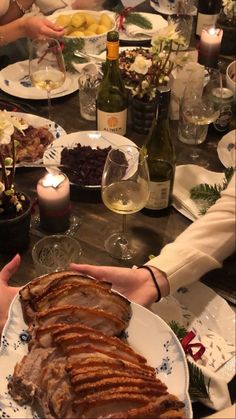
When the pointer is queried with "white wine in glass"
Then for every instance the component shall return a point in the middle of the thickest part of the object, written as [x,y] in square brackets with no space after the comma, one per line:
[125,190]
[46,67]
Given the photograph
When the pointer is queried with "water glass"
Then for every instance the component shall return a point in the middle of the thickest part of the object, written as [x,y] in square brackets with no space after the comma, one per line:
[184,24]
[55,253]
[88,85]
[187,132]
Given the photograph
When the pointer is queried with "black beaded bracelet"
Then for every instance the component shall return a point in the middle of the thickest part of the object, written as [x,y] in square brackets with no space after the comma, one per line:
[154,280]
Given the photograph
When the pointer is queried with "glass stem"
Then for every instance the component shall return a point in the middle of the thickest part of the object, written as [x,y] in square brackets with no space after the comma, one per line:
[124,225]
[195,153]
[49,104]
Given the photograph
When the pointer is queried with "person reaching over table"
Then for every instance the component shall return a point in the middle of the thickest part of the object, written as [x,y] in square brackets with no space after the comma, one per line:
[7,293]
[200,248]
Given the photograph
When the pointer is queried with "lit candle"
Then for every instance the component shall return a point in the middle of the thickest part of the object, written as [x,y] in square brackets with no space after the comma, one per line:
[209,47]
[54,202]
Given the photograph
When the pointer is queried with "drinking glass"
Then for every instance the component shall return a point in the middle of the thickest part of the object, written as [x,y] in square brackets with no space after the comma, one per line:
[200,106]
[46,67]
[125,190]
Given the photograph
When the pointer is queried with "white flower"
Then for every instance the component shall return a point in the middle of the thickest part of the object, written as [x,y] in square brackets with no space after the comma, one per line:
[141,65]
[6,128]
[167,35]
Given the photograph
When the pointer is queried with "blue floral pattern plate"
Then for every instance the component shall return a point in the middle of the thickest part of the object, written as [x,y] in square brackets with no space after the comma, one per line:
[147,333]
[226,149]
[15,80]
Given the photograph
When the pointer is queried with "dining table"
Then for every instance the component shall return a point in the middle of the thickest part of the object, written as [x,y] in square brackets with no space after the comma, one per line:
[95,221]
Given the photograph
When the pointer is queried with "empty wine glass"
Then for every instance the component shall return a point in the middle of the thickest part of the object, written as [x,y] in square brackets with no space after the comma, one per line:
[125,190]
[46,67]
[200,106]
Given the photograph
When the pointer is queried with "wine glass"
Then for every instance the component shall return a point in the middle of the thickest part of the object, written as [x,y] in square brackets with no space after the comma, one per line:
[125,190]
[46,67]
[200,106]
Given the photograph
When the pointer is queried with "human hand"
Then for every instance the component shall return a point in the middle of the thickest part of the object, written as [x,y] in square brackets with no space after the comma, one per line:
[36,27]
[135,284]
[92,5]
[7,293]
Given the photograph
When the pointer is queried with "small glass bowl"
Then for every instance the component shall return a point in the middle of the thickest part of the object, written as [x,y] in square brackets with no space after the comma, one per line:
[55,253]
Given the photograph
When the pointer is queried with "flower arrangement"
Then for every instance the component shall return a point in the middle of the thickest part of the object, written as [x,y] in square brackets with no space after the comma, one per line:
[229,10]
[11,202]
[147,72]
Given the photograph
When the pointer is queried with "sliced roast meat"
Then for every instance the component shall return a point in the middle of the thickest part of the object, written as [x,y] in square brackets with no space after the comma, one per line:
[98,319]
[86,295]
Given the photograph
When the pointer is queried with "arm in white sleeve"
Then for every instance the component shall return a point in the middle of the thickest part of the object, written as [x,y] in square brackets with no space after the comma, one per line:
[202,246]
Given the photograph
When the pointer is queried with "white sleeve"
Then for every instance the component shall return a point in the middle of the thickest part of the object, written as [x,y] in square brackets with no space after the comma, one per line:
[203,245]
[50,6]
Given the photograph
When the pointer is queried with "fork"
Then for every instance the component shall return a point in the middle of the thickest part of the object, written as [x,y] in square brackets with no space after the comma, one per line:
[89,57]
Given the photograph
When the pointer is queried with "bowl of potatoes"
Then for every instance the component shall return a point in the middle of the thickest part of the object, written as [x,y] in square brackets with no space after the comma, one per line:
[86,29]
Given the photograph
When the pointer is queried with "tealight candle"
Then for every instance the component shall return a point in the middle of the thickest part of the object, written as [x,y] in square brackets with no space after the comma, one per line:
[54,202]
[209,47]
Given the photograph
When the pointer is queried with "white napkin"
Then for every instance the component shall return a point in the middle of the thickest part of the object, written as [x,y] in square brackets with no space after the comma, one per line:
[91,69]
[186,177]
[192,307]
[157,21]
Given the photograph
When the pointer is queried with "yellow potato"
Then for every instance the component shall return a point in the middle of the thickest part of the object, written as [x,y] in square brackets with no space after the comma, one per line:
[77,34]
[89,33]
[106,21]
[101,29]
[90,19]
[93,27]
[63,20]
[78,19]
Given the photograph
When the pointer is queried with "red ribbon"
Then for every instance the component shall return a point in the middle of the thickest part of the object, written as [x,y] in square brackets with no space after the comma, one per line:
[187,346]
[121,18]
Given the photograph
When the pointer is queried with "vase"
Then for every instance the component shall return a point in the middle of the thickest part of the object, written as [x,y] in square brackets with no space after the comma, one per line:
[14,232]
[142,114]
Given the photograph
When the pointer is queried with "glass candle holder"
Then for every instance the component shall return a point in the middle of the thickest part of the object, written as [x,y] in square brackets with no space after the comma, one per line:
[53,192]
[209,48]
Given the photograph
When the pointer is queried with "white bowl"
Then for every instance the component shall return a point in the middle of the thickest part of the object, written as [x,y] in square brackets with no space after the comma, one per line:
[89,44]
[231,77]
[168,7]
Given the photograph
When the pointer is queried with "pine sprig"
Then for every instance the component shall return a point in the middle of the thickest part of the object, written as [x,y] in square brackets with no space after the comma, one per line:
[70,46]
[138,20]
[178,330]
[209,194]
[197,386]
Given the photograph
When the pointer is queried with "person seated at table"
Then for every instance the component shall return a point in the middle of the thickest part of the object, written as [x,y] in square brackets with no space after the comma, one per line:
[200,248]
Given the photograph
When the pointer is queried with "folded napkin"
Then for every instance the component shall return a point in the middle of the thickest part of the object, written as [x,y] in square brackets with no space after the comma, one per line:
[157,21]
[186,177]
[90,69]
[192,307]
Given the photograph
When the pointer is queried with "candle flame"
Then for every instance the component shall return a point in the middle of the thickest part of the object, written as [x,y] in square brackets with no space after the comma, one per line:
[212,31]
[53,180]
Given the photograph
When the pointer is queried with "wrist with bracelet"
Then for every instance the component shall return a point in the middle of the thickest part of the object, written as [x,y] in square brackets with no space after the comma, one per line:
[154,281]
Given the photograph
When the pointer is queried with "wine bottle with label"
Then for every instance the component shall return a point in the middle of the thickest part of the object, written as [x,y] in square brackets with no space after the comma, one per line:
[112,95]
[161,158]
[207,14]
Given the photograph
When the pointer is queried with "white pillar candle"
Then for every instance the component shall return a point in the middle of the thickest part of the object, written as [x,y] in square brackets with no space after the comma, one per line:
[53,192]
[209,48]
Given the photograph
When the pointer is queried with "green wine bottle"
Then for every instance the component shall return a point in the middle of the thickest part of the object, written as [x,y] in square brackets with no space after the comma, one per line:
[112,95]
[161,158]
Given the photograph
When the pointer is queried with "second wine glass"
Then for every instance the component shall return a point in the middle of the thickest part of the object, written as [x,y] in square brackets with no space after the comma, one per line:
[46,67]
[125,190]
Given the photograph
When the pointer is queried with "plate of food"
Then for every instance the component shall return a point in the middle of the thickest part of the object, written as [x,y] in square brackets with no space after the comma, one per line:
[170,7]
[226,149]
[15,80]
[74,348]
[82,155]
[35,138]
[140,26]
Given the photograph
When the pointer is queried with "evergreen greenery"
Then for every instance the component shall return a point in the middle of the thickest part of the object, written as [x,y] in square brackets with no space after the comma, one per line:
[209,194]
